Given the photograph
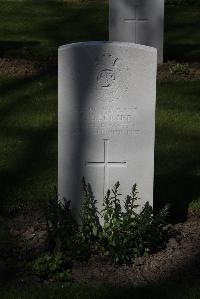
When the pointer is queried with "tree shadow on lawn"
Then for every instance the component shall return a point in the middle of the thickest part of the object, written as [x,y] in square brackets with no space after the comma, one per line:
[177,180]
[164,290]
[177,191]
[6,46]
[182,42]
[81,24]
[32,159]
[177,188]
[177,160]
[182,52]
[182,281]
[74,23]
[155,291]
[67,30]
[32,163]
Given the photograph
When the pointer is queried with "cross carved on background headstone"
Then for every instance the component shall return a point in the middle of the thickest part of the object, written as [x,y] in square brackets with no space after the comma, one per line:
[135,21]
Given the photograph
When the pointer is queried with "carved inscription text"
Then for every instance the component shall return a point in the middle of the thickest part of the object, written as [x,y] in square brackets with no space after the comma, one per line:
[108,121]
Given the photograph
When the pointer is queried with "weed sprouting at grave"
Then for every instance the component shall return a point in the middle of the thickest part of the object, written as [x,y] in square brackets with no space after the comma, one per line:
[119,233]
[53,266]
[88,234]
[126,232]
[179,69]
[60,224]
[129,232]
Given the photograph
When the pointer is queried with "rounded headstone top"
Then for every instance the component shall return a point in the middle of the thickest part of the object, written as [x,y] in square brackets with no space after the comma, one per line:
[107,44]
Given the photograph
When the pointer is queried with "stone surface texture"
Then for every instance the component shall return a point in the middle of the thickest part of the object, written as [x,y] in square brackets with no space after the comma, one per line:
[138,21]
[106,119]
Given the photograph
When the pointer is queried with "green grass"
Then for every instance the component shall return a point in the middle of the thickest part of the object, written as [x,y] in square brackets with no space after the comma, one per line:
[177,128]
[81,291]
[177,160]
[34,30]
[182,39]
[28,143]
[28,106]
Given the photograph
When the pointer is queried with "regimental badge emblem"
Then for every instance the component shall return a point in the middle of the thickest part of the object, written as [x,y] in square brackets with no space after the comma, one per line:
[106,78]
[110,83]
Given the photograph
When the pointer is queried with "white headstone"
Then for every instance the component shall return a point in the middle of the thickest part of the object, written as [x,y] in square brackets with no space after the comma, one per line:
[138,21]
[106,119]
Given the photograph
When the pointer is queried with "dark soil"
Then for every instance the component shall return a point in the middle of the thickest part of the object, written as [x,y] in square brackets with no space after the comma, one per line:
[179,261]
[193,72]
[25,68]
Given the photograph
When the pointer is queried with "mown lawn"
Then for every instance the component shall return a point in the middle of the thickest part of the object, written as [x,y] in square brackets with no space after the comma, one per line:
[28,106]
[28,142]
[182,39]
[81,291]
[34,30]
[177,159]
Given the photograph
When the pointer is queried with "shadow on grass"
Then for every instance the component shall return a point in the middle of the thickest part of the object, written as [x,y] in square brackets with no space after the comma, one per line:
[182,52]
[85,22]
[30,165]
[177,191]
[6,46]
[178,182]
[172,281]
[37,136]
[177,160]
[173,288]
[60,23]
[182,41]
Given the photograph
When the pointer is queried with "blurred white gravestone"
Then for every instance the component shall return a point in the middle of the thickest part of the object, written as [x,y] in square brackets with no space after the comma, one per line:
[106,119]
[138,21]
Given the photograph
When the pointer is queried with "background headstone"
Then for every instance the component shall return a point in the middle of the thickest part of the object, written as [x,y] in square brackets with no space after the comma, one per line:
[107,95]
[138,21]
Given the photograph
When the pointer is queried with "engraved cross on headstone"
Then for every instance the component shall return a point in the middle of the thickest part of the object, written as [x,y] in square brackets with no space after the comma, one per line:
[136,21]
[106,164]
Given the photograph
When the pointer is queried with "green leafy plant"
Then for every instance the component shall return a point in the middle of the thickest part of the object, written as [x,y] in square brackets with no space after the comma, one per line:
[179,69]
[130,233]
[52,266]
[127,231]
[61,225]
[87,238]
[194,207]
[111,239]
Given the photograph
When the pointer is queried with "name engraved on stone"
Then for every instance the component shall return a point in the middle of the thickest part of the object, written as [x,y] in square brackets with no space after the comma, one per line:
[108,121]
[106,164]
